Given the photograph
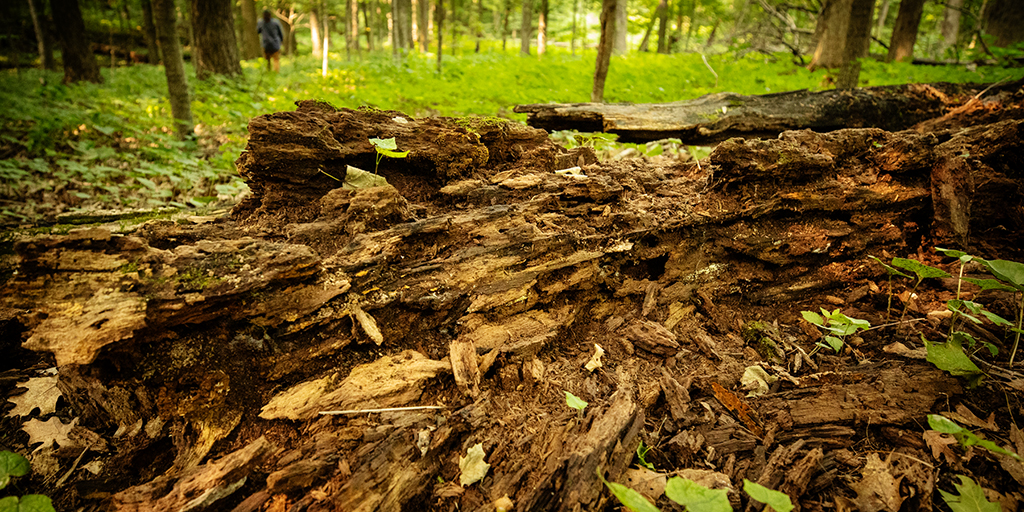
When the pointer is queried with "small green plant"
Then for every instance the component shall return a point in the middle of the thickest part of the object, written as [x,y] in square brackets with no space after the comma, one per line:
[695,497]
[971,497]
[576,403]
[777,501]
[839,325]
[386,148]
[965,437]
[641,455]
[15,465]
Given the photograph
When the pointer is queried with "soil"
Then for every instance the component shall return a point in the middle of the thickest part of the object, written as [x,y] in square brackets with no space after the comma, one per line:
[198,354]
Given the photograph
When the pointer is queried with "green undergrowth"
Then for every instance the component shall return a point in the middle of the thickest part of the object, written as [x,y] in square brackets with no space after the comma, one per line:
[111,145]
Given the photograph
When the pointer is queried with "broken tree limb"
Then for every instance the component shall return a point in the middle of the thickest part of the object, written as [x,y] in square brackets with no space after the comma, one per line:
[717,117]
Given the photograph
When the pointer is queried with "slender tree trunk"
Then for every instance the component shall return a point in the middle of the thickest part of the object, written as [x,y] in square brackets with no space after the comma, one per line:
[575,14]
[216,51]
[439,26]
[316,31]
[950,27]
[250,39]
[856,43]
[423,34]
[43,42]
[504,24]
[76,52]
[830,34]
[883,16]
[542,28]
[526,28]
[619,46]
[287,20]
[478,27]
[174,67]
[1004,20]
[454,23]
[149,32]
[904,33]
[663,26]
[367,24]
[407,15]
[352,30]
[327,40]
[604,49]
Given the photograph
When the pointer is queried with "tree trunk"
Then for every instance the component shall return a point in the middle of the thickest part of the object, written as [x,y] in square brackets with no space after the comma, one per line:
[149,32]
[526,28]
[367,25]
[76,51]
[904,33]
[250,39]
[830,34]
[43,41]
[950,27]
[1004,20]
[883,16]
[287,20]
[604,49]
[439,26]
[316,31]
[166,21]
[454,24]
[423,35]
[542,28]
[325,59]
[856,43]
[619,46]
[663,43]
[216,51]
[575,15]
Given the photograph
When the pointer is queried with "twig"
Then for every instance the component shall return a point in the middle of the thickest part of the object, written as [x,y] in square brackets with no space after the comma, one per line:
[705,59]
[386,409]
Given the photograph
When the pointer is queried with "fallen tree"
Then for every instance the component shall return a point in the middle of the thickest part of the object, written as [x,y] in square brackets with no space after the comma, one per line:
[716,117]
[477,283]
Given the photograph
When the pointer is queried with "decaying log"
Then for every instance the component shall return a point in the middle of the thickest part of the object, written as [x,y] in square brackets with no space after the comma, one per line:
[479,281]
[717,117]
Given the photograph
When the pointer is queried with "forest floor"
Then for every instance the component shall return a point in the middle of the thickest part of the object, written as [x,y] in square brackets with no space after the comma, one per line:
[184,361]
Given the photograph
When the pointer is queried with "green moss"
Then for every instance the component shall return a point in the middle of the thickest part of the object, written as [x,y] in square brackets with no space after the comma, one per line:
[757,335]
[195,278]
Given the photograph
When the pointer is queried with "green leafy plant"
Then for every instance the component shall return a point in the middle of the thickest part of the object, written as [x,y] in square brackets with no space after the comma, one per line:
[13,465]
[386,148]
[970,497]
[965,437]
[778,501]
[922,272]
[951,357]
[628,497]
[696,497]
[641,455]
[1012,273]
[837,324]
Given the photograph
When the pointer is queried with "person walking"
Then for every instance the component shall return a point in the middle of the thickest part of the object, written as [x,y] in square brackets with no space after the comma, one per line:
[270,37]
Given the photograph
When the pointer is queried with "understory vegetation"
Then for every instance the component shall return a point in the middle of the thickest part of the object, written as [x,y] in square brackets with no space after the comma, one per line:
[69,148]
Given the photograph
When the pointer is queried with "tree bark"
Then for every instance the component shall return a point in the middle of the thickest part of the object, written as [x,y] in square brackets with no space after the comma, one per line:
[883,16]
[857,38]
[250,39]
[439,27]
[423,33]
[1003,20]
[830,34]
[663,42]
[604,49]
[904,33]
[287,20]
[620,47]
[542,28]
[76,51]
[526,28]
[950,27]
[149,32]
[43,40]
[316,31]
[174,66]
[216,51]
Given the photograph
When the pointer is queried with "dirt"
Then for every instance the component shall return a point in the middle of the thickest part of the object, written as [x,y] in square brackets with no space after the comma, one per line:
[480,281]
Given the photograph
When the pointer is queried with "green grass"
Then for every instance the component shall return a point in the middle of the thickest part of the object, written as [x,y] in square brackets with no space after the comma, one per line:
[85,146]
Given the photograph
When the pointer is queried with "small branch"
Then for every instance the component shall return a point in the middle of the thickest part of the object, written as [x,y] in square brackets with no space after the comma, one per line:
[386,409]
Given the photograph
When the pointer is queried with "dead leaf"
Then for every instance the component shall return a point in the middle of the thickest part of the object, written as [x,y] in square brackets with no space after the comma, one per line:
[964,415]
[738,408]
[877,489]
[48,432]
[42,393]
[644,481]
[473,466]
[939,443]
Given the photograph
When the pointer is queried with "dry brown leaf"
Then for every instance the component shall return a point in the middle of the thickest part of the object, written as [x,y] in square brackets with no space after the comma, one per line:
[964,415]
[877,489]
[42,393]
[48,432]
[1012,466]
[939,443]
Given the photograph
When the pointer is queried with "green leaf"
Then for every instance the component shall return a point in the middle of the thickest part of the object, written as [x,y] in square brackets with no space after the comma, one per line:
[392,154]
[388,143]
[953,253]
[574,401]
[1010,271]
[889,269]
[966,438]
[641,454]
[834,343]
[950,357]
[628,497]
[971,498]
[923,271]
[696,497]
[989,284]
[778,501]
[813,317]
[11,464]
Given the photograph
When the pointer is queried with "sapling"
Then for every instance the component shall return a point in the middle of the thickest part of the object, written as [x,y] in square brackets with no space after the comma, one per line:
[839,325]
[386,147]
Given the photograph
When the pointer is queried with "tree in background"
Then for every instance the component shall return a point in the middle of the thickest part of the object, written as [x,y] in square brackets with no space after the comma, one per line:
[43,41]
[174,66]
[858,32]
[904,33]
[215,50]
[526,28]
[75,49]
[316,30]
[619,46]
[250,39]
[950,27]
[604,49]
[423,24]
[1004,21]
[830,34]
[542,27]
[149,32]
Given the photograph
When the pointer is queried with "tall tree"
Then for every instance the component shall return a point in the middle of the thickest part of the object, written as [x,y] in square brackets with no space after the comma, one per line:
[352,32]
[174,66]
[287,17]
[830,34]
[250,39]
[43,42]
[542,27]
[75,50]
[604,49]
[663,26]
[620,46]
[526,28]
[856,45]
[575,14]
[950,27]
[883,15]
[1003,20]
[316,30]
[216,51]
[439,25]
[327,39]
[423,24]
[904,33]
[149,32]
